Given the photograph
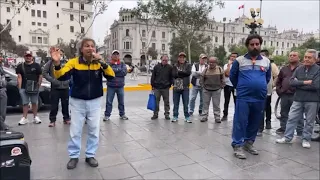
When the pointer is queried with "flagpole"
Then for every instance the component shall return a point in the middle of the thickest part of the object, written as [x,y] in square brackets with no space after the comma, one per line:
[244,5]
[260,13]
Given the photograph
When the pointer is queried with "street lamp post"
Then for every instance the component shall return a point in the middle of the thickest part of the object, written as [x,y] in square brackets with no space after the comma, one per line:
[224,31]
[252,23]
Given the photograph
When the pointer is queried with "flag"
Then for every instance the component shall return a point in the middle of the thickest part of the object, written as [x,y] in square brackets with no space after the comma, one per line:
[241,7]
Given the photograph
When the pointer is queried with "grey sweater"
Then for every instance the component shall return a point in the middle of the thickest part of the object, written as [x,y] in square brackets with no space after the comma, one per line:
[48,75]
[306,93]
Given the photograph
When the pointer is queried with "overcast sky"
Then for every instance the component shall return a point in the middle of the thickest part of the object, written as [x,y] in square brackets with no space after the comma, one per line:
[301,15]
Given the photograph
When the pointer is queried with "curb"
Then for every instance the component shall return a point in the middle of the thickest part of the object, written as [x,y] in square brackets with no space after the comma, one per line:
[139,87]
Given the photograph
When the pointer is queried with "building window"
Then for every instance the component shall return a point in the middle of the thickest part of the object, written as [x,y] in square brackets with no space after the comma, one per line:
[33,13]
[277,44]
[40,40]
[154,46]
[153,34]
[38,2]
[44,14]
[232,29]
[8,21]
[82,6]
[38,13]
[127,32]
[163,47]
[287,44]
[58,27]
[163,35]
[34,39]
[71,17]
[45,24]
[44,2]
[216,39]
[39,23]
[143,33]
[33,23]
[71,5]
[294,45]
[57,4]
[19,37]
[126,45]
[264,42]
[283,44]
[265,33]
[271,44]
[57,15]
[19,23]
[173,35]
[143,44]
[45,40]
[277,53]
[282,53]
[71,29]
[243,29]
[82,18]
[8,9]
[231,40]
[82,29]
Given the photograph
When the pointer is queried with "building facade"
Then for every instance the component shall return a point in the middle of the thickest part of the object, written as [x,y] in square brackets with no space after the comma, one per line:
[132,36]
[46,22]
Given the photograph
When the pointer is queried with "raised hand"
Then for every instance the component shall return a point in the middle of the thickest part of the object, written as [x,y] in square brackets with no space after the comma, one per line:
[55,54]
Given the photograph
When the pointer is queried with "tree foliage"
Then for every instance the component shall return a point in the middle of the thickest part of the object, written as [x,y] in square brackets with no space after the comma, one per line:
[220,53]
[6,40]
[279,60]
[67,49]
[185,17]
[41,53]
[240,49]
[20,50]
[309,44]
[153,53]
[198,46]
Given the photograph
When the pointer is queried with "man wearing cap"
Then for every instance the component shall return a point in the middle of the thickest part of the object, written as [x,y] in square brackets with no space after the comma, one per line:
[181,72]
[29,80]
[196,71]
[116,86]
[3,97]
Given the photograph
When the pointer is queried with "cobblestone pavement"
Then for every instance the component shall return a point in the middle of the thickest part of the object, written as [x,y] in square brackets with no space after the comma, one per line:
[141,148]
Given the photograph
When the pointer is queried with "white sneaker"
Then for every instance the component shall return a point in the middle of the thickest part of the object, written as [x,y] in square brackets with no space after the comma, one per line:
[283,141]
[306,144]
[36,120]
[23,121]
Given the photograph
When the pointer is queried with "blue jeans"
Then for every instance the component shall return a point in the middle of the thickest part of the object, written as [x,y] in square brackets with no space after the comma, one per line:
[110,96]
[296,114]
[194,92]
[176,101]
[246,122]
[81,110]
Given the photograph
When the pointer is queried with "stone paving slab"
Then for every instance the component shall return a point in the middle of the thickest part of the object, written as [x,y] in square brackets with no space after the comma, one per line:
[144,149]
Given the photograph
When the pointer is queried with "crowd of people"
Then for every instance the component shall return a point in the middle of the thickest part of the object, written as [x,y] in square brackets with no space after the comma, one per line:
[249,78]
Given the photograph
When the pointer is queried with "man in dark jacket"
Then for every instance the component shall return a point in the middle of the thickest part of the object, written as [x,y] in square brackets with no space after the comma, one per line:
[181,81]
[306,79]
[286,92]
[59,91]
[161,81]
[116,86]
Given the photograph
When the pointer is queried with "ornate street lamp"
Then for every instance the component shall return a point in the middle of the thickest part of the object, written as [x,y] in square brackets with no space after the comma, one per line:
[252,23]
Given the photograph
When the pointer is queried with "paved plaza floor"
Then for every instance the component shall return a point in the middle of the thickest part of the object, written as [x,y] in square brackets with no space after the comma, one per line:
[140,148]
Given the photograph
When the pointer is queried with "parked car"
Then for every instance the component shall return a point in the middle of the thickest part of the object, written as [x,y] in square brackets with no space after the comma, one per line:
[14,99]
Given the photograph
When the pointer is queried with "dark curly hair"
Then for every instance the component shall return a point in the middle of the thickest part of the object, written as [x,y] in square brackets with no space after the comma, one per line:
[253,36]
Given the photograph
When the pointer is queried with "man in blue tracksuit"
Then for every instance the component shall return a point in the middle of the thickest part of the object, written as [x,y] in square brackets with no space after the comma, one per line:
[250,75]
[116,86]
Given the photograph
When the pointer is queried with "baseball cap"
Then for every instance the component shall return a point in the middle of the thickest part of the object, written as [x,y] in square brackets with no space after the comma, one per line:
[182,54]
[202,56]
[28,53]
[115,51]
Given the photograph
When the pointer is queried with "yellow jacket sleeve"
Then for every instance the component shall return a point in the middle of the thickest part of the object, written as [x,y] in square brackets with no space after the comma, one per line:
[109,71]
[59,72]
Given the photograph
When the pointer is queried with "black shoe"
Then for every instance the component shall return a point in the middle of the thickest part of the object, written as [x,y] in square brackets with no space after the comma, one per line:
[72,163]
[167,117]
[154,117]
[200,112]
[190,113]
[92,162]
[280,131]
[268,125]
[224,118]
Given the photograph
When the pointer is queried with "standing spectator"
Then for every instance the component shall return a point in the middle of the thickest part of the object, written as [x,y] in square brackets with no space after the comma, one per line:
[29,80]
[3,97]
[196,71]
[306,79]
[161,81]
[181,81]
[286,92]
[228,88]
[212,81]
[250,75]
[116,86]
[59,91]
[86,95]
[274,72]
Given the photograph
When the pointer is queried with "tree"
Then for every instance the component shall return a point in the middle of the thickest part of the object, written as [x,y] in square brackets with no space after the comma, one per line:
[143,13]
[6,40]
[309,44]
[20,50]
[67,49]
[99,7]
[41,53]
[220,53]
[17,6]
[186,18]
[153,53]
[240,49]
[279,60]
[198,46]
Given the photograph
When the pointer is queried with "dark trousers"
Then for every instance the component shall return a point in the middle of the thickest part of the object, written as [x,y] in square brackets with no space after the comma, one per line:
[165,96]
[55,96]
[286,102]
[111,92]
[227,90]
[176,101]
[246,122]
[267,113]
